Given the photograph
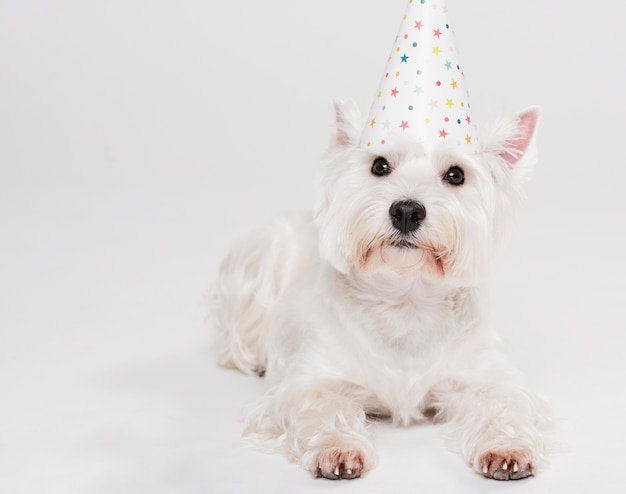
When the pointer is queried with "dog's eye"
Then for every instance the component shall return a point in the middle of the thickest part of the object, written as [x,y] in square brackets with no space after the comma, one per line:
[454,176]
[381,167]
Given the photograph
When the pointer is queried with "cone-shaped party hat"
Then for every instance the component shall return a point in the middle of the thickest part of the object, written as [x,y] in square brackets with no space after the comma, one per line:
[422,93]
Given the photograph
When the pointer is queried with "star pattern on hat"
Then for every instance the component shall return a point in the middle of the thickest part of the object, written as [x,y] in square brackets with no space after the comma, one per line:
[422,93]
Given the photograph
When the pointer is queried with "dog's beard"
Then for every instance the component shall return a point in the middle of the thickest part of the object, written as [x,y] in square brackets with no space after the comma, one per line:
[405,255]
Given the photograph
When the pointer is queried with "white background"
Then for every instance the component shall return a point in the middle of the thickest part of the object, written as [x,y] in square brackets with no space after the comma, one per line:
[138,138]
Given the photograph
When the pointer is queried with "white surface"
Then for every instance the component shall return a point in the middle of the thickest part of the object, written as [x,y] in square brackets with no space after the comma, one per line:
[138,138]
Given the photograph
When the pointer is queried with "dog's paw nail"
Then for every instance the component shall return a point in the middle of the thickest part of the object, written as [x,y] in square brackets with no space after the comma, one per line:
[336,464]
[506,465]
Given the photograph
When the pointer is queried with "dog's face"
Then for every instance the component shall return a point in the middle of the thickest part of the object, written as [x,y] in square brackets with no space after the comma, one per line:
[437,214]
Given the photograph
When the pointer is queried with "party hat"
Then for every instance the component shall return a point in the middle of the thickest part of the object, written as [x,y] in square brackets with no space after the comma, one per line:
[422,93]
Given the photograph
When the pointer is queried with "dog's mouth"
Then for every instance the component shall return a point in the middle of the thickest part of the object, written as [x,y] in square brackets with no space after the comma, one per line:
[404,244]
[405,253]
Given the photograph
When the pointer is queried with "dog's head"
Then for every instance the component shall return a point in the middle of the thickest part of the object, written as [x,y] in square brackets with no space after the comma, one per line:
[437,214]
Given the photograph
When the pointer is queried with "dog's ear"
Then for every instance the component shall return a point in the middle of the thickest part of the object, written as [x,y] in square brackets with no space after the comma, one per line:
[347,124]
[516,145]
[513,139]
[511,155]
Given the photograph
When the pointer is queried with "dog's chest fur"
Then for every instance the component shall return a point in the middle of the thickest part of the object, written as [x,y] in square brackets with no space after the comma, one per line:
[409,319]
[388,337]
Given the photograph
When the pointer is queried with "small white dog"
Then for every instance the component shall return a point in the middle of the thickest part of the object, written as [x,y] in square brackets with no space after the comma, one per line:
[375,305]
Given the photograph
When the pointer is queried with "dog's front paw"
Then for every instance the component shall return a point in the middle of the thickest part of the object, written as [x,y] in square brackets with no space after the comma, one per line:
[506,465]
[335,463]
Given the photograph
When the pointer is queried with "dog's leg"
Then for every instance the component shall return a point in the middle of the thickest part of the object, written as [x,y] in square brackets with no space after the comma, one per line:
[317,426]
[501,429]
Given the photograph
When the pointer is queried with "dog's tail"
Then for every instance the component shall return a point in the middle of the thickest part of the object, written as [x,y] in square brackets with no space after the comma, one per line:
[251,279]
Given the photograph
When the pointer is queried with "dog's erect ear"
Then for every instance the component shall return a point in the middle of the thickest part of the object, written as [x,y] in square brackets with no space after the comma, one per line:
[511,155]
[347,124]
[519,134]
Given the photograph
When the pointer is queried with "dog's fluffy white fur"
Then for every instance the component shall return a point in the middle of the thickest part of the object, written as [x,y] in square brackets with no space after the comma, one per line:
[350,318]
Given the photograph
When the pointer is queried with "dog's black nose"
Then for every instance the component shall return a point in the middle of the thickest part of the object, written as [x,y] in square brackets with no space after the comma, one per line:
[406,216]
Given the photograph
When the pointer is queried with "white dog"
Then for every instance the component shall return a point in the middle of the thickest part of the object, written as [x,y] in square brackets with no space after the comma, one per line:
[375,305]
